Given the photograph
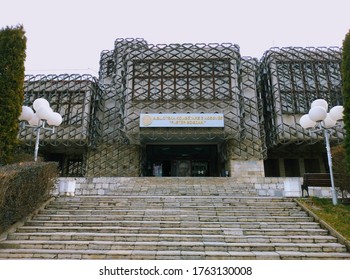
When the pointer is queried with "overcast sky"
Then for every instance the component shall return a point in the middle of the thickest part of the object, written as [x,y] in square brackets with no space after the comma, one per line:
[67,36]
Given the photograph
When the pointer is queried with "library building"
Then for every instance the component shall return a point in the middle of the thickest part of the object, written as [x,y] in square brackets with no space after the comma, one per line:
[189,110]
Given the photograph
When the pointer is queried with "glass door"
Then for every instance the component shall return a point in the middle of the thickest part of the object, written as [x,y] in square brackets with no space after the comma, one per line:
[200,168]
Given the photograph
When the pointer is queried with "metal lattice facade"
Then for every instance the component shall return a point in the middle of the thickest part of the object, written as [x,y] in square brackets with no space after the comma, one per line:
[291,78]
[140,78]
[73,96]
[261,102]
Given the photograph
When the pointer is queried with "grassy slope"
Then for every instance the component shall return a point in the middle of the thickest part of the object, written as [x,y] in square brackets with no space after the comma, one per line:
[336,216]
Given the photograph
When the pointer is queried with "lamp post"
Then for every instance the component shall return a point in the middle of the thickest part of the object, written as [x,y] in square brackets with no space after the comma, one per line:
[318,120]
[44,115]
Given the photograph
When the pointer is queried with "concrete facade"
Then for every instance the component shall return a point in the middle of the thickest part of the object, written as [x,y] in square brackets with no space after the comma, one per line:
[261,102]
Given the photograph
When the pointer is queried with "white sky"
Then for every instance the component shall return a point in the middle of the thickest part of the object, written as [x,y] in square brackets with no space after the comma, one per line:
[67,36]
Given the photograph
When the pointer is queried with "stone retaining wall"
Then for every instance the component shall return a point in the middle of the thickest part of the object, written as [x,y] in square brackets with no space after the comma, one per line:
[263,186]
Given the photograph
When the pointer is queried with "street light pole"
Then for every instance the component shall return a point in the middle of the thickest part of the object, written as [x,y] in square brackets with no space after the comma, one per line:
[330,165]
[43,115]
[36,150]
[324,121]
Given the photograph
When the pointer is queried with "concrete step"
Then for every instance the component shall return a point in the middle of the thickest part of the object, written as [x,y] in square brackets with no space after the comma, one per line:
[173,224]
[234,200]
[173,198]
[167,255]
[176,212]
[132,237]
[171,245]
[156,217]
[187,197]
[191,204]
[155,206]
[177,230]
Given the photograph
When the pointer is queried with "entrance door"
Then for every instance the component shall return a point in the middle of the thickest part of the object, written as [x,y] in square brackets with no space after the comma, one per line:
[182,168]
[200,168]
[181,160]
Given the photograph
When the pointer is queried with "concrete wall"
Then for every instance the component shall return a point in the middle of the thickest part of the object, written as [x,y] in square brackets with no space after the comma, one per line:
[263,186]
[247,168]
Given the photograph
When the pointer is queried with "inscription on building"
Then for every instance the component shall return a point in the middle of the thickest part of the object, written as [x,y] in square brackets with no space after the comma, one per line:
[182,120]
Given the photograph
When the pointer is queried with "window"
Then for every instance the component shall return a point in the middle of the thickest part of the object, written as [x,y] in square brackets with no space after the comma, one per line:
[301,82]
[291,167]
[182,79]
[312,165]
[272,168]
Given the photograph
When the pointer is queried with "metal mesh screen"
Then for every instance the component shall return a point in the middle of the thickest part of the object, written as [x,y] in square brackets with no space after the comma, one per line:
[262,102]
[291,78]
[140,78]
[70,95]
[74,97]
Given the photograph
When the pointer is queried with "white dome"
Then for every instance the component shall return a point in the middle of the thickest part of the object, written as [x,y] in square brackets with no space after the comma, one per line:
[34,121]
[320,103]
[26,114]
[40,102]
[44,113]
[55,119]
[329,121]
[306,122]
[337,113]
[317,113]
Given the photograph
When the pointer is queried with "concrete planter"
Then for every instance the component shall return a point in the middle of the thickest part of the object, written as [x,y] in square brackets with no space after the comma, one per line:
[66,186]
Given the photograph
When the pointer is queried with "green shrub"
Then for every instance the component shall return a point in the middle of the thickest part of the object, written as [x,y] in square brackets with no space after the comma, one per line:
[341,176]
[23,188]
[345,73]
[23,153]
[12,57]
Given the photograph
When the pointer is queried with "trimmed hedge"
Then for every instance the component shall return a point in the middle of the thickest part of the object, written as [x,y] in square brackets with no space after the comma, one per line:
[12,57]
[345,72]
[23,188]
[341,177]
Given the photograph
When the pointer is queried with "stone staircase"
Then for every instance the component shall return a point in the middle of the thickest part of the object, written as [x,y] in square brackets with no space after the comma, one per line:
[184,222]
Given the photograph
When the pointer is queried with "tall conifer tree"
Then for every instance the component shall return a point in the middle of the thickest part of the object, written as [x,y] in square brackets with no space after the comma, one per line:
[346,93]
[12,58]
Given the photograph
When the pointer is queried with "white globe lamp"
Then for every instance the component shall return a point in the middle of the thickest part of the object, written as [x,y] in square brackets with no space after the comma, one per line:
[26,114]
[44,112]
[40,102]
[34,121]
[55,119]
[329,121]
[306,122]
[317,113]
[337,113]
[320,103]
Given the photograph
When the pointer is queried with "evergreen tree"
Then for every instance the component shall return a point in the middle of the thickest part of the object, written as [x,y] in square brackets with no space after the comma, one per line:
[346,94]
[12,58]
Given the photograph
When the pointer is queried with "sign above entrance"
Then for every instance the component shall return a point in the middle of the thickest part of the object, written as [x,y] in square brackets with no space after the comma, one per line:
[182,120]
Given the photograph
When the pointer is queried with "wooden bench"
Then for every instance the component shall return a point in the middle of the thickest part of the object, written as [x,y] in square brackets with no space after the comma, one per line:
[315,180]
